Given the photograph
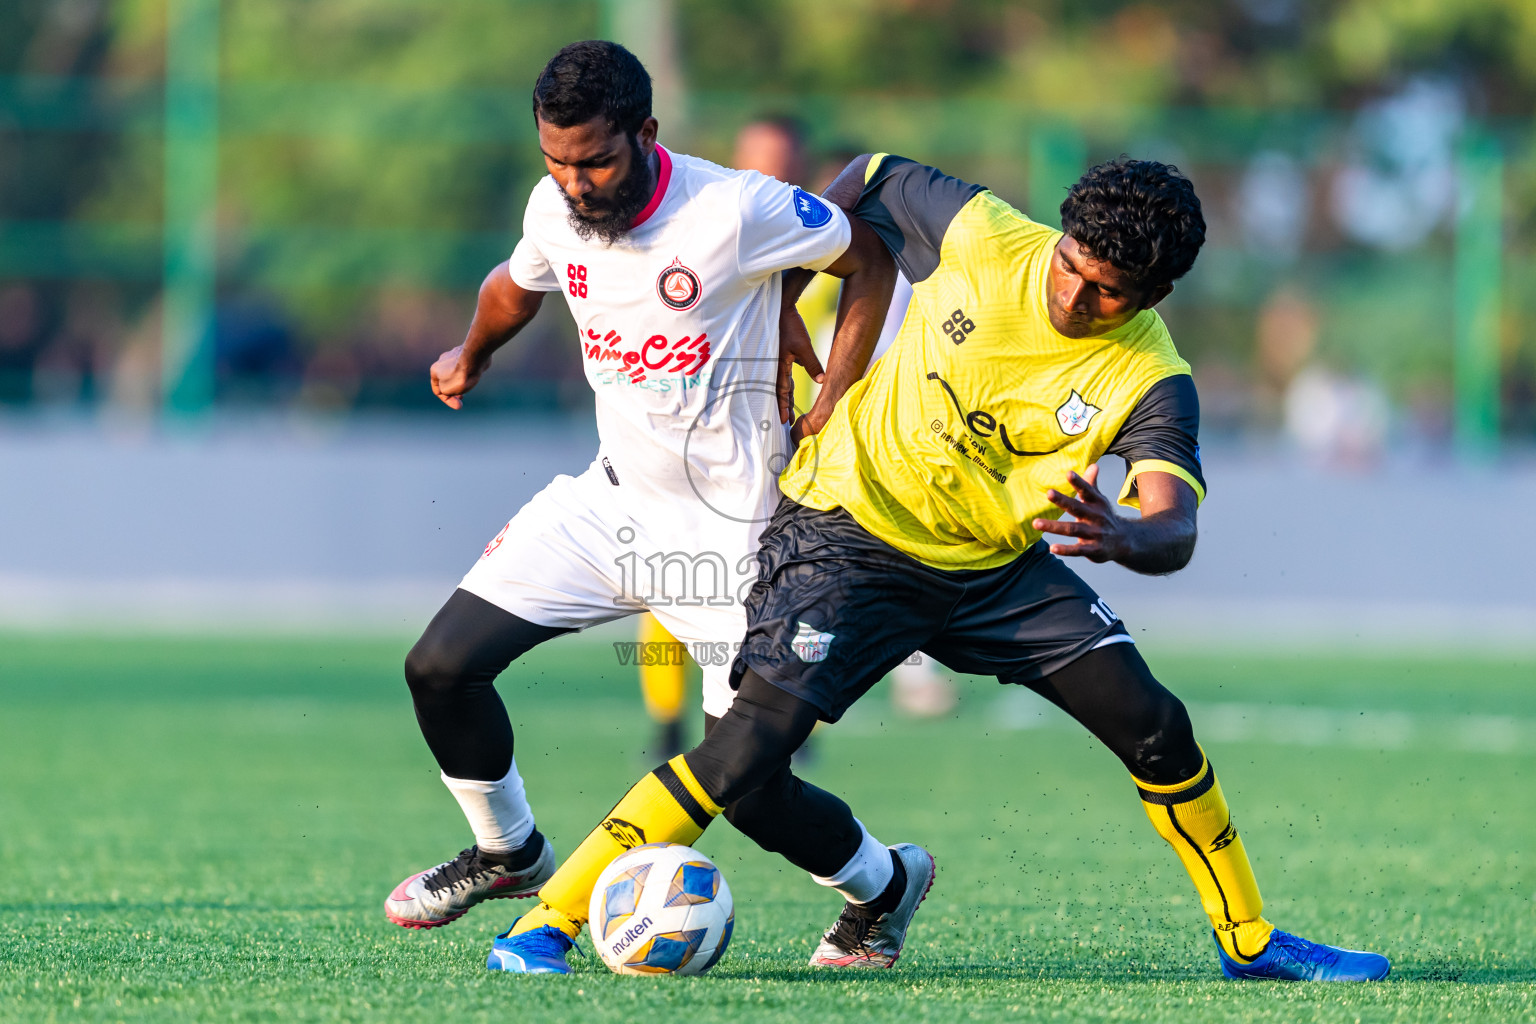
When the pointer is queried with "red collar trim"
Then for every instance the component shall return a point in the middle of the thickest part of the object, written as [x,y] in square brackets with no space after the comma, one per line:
[663,179]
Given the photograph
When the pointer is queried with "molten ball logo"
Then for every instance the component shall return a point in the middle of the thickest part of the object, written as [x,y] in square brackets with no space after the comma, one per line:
[629,936]
[679,287]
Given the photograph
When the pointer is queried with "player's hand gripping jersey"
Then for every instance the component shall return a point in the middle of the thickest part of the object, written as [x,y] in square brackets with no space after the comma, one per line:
[945,451]
[679,328]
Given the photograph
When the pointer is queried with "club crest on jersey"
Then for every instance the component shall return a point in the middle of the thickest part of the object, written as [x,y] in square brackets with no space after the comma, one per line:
[1074,414]
[810,644]
[813,213]
[679,287]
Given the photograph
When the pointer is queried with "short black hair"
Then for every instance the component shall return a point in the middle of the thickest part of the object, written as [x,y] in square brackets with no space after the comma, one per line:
[590,79]
[1141,216]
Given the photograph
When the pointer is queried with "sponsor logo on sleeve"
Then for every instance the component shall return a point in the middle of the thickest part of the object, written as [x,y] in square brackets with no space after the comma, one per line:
[813,213]
[678,287]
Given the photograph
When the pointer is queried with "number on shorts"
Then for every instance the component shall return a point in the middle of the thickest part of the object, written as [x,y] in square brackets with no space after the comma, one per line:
[1104,612]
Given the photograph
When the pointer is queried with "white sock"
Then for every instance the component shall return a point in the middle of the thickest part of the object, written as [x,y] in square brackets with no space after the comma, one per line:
[866,874]
[498,812]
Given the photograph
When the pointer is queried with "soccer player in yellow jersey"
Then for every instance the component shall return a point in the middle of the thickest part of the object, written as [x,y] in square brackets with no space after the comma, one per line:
[926,516]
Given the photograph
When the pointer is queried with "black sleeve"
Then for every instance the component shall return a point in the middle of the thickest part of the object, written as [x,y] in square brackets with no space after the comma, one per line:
[910,206]
[1164,427]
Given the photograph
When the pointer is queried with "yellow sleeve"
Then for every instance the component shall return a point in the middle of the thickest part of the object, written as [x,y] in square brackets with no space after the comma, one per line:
[1128,494]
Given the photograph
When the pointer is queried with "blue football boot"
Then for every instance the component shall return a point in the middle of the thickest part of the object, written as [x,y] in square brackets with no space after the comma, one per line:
[541,951]
[1291,958]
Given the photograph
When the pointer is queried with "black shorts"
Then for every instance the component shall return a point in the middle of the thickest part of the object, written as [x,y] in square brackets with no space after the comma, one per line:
[835,608]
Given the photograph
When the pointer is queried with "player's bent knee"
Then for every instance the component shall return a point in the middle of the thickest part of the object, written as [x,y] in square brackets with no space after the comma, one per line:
[433,671]
[467,645]
[1113,693]
[728,774]
[439,667]
[1166,752]
[752,741]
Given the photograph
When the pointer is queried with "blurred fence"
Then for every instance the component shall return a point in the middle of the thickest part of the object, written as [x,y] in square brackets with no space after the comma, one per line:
[1361,283]
[368,523]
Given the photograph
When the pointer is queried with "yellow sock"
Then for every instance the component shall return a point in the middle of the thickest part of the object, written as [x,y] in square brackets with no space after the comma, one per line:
[664,685]
[1194,818]
[667,806]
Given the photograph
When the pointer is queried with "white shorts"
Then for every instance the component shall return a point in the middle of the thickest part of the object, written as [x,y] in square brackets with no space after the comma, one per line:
[573,557]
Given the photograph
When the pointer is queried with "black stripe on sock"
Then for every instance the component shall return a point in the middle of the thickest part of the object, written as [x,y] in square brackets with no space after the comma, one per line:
[1173,819]
[1226,911]
[667,776]
[1183,796]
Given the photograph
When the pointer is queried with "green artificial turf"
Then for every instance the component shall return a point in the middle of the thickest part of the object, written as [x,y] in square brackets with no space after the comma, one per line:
[206,829]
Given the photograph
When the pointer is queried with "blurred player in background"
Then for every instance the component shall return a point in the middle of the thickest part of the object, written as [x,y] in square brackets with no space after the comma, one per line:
[664,670]
[671,267]
[776,146]
[918,518]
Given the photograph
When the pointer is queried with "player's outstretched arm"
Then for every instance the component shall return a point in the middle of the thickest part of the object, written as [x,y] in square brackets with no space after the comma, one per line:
[1161,541]
[502,310]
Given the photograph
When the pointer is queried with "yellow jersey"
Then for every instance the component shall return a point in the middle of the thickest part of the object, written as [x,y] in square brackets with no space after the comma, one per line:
[945,451]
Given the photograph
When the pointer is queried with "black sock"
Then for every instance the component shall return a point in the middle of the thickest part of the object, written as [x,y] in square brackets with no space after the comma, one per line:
[520,858]
[891,895]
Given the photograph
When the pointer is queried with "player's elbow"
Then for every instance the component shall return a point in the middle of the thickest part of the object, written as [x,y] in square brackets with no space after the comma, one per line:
[1179,549]
[495,284]
[848,186]
[1168,551]
[1184,552]
[502,302]
[866,264]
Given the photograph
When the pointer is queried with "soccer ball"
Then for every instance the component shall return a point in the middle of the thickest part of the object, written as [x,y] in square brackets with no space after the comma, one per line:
[661,908]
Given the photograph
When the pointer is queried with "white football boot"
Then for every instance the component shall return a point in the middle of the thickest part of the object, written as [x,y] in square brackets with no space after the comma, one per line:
[861,939]
[429,899]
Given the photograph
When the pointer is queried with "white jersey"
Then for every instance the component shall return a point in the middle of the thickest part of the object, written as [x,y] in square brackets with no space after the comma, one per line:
[679,336]
[678,322]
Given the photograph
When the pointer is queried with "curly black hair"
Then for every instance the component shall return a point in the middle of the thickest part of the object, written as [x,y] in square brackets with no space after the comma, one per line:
[1140,216]
[592,78]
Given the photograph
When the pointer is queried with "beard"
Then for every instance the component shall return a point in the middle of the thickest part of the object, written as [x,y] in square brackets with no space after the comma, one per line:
[609,220]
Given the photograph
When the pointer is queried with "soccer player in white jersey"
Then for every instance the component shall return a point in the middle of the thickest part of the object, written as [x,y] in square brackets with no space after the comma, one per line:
[671,268]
